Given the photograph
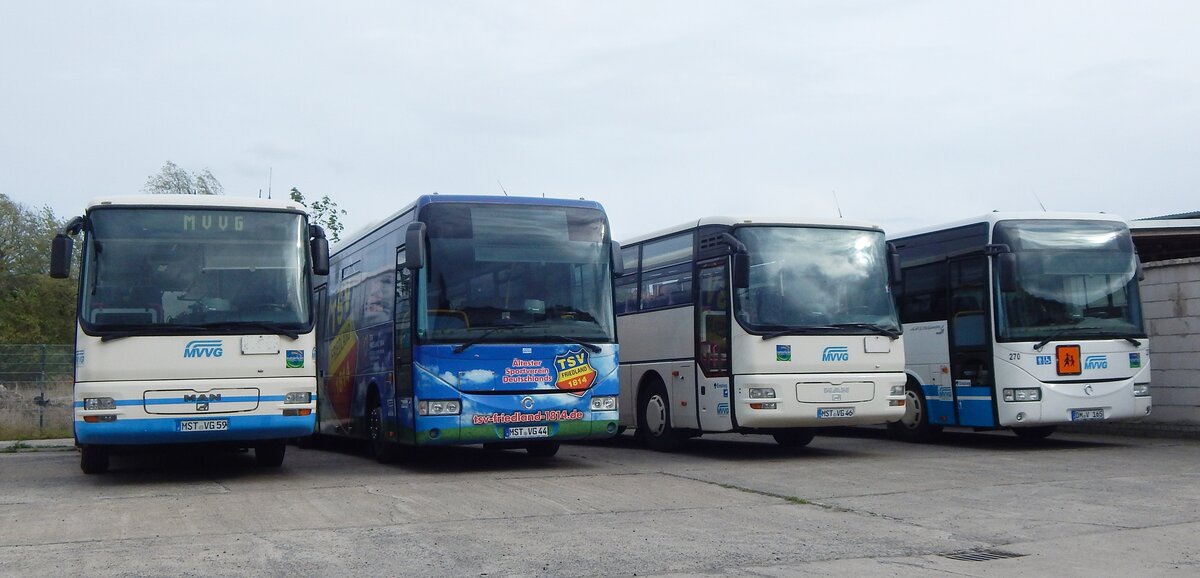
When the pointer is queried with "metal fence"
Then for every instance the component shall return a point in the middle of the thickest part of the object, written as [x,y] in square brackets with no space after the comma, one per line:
[35,391]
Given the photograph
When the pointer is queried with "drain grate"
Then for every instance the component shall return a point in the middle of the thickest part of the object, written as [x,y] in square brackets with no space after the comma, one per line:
[981,555]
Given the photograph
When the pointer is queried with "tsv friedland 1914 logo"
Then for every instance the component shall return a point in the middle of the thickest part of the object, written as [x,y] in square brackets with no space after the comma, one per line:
[203,348]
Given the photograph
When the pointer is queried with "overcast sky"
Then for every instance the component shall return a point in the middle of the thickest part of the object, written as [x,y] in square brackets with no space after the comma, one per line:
[913,112]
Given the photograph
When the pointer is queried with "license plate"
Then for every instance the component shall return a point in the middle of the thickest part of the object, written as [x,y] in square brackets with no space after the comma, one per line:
[1086,414]
[825,412]
[532,431]
[204,425]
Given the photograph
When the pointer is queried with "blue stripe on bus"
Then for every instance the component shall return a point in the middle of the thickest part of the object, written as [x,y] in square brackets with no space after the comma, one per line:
[171,401]
[166,430]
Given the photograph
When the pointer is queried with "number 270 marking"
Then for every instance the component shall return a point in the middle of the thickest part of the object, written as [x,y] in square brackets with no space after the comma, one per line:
[1014,356]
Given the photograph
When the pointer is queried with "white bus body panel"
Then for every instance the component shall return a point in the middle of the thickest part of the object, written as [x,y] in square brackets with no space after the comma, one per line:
[659,343]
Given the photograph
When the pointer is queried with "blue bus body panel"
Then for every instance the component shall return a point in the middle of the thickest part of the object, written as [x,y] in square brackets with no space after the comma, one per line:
[971,412]
[506,386]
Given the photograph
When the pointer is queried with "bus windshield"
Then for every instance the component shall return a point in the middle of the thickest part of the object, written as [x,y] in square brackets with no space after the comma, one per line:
[514,273]
[189,270]
[1070,279]
[815,277]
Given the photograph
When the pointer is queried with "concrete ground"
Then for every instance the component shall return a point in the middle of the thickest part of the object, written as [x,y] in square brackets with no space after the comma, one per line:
[850,504]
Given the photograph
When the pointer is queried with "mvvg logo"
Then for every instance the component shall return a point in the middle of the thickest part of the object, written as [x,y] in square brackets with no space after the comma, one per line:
[203,348]
[841,353]
[1095,362]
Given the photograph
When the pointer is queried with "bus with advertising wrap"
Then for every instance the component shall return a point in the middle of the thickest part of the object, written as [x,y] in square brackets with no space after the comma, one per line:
[1023,321]
[471,320]
[758,326]
[194,323]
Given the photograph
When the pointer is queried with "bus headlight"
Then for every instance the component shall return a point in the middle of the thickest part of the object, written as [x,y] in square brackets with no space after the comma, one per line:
[1023,394]
[298,397]
[92,403]
[762,393]
[1141,389]
[897,391]
[439,407]
[604,403]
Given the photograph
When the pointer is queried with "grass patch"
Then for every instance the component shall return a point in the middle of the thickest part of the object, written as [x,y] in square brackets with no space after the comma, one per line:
[15,448]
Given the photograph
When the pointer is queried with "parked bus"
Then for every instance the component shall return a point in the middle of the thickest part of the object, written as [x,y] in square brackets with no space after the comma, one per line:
[758,326]
[471,320]
[194,323]
[1022,321]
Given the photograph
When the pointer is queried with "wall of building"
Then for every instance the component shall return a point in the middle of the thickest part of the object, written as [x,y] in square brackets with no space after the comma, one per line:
[1171,304]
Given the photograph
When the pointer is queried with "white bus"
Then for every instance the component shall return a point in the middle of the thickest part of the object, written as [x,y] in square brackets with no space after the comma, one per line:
[194,323]
[759,327]
[1022,321]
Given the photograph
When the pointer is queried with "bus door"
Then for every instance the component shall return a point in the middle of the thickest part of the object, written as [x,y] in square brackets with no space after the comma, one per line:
[971,372]
[402,346]
[321,355]
[712,345]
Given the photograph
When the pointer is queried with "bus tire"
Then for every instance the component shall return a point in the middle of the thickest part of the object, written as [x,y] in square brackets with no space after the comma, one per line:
[383,451]
[654,420]
[914,426]
[1034,433]
[93,459]
[269,454]
[543,449]
[794,437]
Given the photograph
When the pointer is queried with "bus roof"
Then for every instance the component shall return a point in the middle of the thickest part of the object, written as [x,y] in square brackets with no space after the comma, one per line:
[423,200]
[732,221]
[221,201]
[995,216]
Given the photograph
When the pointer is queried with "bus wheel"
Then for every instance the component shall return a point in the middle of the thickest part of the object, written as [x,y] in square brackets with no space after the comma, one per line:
[93,459]
[1034,433]
[794,438]
[654,420]
[542,449]
[270,454]
[914,426]
[383,451]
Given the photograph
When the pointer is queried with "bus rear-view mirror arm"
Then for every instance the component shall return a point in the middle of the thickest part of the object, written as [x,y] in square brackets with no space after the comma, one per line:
[61,248]
[740,261]
[618,260]
[895,272]
[319,248]
[414,241]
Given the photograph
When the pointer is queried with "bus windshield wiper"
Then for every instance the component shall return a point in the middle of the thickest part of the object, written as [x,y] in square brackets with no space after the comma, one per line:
[1087,331]
[874,327]
[152,330]
[479,338]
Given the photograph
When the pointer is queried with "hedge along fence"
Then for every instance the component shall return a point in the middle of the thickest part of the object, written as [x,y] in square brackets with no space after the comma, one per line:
[35,391]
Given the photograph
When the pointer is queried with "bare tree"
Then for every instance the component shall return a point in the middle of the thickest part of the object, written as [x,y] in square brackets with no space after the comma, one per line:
[173,180]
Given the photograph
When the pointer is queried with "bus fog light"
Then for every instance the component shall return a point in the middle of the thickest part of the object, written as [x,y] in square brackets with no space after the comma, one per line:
[439,407]
[604,403]
[298,397]
[1141,389]
[895,402]
[1021,416]
[1023,394]
[897,391]
[91,403]
[762,393]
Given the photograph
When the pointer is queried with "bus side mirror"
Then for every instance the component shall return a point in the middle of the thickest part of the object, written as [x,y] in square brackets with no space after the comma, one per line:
[318,247]
[414,241]
[895,273]
[60,256]
[741,270]
[618,260]
[1008,271]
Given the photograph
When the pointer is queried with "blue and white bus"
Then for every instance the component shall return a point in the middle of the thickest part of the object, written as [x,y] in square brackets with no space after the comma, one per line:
[194,323]
[471,320]
[1022,321]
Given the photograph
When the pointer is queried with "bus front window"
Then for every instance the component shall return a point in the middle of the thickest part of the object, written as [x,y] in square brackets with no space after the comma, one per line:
[503,272]
[1070,279]
[175,270]
[815,277]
